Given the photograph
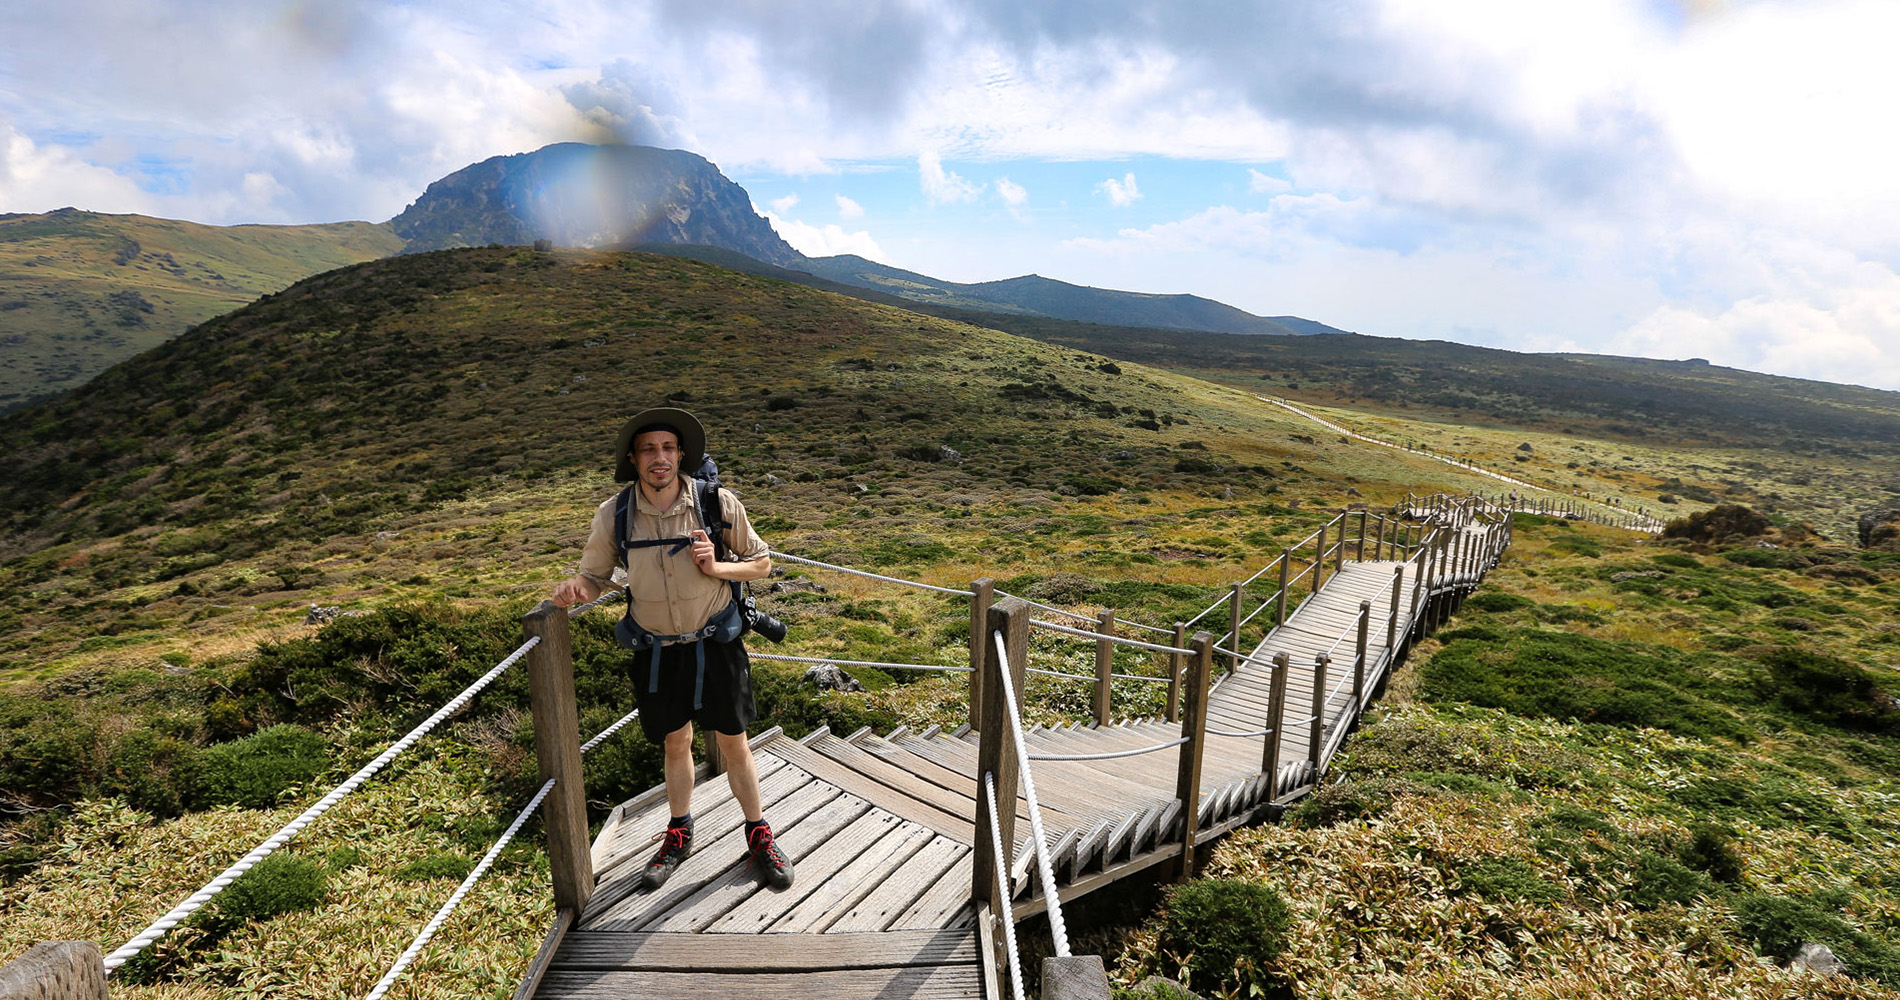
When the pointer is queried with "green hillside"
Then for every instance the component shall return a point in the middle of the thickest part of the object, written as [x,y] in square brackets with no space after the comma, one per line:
[82,291]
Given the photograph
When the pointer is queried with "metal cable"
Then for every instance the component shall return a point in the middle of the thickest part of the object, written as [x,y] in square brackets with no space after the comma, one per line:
[857,663]
[164,924]
[1138,751]
[1002,867]
[1137,643]
[776,554]
[409,954]
[1052,904]
[1239,736]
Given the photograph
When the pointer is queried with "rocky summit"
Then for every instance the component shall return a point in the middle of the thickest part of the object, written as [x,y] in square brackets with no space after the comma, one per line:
[577,195]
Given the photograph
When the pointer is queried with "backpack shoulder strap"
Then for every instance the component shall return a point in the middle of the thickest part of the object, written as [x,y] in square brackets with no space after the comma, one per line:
[623,522]
[712,514]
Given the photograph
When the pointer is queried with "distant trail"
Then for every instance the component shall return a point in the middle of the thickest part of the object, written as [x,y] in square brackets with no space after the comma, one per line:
[1323,422]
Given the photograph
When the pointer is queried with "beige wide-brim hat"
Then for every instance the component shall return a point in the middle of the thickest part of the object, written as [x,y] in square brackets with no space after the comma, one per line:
[692,440]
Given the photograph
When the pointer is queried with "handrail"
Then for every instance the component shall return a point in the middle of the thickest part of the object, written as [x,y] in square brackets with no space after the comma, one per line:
[1002,867]
[1052,903]
[1137,643]
[960,669]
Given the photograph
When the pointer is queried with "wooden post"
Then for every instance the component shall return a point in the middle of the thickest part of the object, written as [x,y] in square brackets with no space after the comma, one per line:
[1392,623]
[1378,540]
[1276,719]
[1187,786]
[1359,661]
[55,970]
[557,748]
[1361,556]
[1176,666]
[996,751]
[1319,559]
[1286,563]
[982,594]
[1319,713]
[1339,553]
[1235,604]
[1104,666]
[715,761]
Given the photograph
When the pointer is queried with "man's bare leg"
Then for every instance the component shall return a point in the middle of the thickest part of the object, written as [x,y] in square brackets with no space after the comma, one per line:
[742,774]
[679,770]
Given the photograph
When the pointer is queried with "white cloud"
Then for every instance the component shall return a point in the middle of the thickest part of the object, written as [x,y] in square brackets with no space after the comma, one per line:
[1012,193]
[1260,183]
[35,178]
[783,206]
[942,186]
[848,209]
[826,241]
[1121,193]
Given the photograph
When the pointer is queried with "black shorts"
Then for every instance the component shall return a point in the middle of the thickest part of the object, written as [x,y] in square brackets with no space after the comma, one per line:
[725,693]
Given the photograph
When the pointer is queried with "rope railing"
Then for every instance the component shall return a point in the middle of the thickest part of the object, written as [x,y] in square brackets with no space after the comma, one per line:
[1002,889]
[1091,677]
[1051,902]
[1111,754]
[1239,736]
[776,554]
[192,903]
[860,663]
[1119,640]
[441,915]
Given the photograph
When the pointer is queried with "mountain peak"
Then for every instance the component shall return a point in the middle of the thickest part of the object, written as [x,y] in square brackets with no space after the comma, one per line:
[579,195]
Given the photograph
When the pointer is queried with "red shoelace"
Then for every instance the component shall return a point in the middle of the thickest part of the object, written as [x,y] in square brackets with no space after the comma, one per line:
[761,841]
[675,838]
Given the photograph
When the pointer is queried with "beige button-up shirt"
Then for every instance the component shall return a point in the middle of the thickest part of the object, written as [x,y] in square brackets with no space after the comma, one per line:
[670,594]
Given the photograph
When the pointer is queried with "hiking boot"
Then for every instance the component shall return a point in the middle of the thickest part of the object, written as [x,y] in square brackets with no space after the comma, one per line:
[769,861]
[675,844]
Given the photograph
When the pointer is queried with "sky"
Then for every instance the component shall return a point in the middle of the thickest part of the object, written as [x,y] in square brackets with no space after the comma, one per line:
[1658,178]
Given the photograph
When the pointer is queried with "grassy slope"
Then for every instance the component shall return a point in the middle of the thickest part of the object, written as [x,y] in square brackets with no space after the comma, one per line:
[431,428]
[81,291]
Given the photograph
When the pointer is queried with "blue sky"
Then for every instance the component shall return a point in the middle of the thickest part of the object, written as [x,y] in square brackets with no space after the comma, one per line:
[1661,178]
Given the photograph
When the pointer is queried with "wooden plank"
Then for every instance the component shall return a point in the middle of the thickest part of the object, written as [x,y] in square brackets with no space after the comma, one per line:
[815,870]
[816,912]
[739,883]
[956,802]
[634,909]
[938,982]
[631,951]
[903,889]
[950,825]
[944,903]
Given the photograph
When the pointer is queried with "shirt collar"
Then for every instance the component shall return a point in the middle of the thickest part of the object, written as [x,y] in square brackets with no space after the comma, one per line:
[689,488]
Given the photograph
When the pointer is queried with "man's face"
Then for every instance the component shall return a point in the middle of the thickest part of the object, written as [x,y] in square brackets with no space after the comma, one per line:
[656,458]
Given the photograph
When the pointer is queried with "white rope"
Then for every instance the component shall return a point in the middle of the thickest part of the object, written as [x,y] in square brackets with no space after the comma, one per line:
[1052,904]
[409,954]
[1085,634]
[1239,736]
[1002,884]
[610,730]
[857,663]
[1138,751]
[164,924]
[1090,677]
[609,595]
[776,554]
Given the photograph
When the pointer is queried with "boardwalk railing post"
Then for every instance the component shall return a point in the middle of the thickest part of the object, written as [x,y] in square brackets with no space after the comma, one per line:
[557,748]
[1319,714]
[1235,604]
[1378,540]
[1359,661]
[1319,559]
[1361,555]
[1104,666]
[1187,786]
[1175,669]
[982,593]
[1392,623]
[1286,564]
[1339,550]
[56,970]
[996,755]
[1276,717]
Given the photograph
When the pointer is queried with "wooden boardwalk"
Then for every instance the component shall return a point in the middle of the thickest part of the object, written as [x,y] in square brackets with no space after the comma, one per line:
[881,828]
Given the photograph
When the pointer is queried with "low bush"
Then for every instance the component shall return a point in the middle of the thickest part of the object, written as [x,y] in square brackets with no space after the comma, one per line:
[1229,931]
[1497,601]
[436,866]
[1659,879]
[1779,925]
[254,771]
[1723,522]
[1512,879]
[281,883]
[1826,689]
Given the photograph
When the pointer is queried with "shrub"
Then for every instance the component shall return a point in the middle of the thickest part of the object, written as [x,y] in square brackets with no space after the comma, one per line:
[1723,522]
[1365,798]
[437,865]
[254,771]
[1825,689]
[1508,879]
[281,883]
[1659,879]
[1231,932]
[1495,601]
[1679,560]
[1712,849]
[344,858]
[1780,925]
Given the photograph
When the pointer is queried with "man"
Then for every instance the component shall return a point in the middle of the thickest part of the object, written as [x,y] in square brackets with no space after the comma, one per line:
[678,586]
